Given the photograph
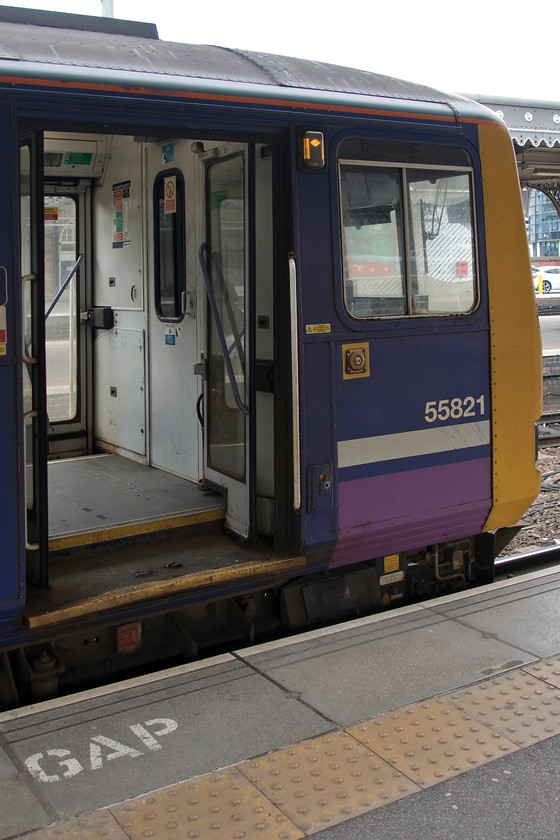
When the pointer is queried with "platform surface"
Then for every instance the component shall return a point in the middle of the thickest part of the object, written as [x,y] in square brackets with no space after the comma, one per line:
[435,720]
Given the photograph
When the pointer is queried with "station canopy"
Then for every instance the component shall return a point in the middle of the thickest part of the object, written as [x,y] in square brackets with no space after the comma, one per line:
[535,130]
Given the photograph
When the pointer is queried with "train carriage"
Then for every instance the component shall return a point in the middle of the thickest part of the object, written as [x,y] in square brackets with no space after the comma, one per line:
[268,346]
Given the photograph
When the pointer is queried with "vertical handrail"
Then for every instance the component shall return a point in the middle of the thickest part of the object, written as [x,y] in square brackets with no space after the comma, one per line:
[4,294]
[295,382]
[236,334]
[29,546]
[32,415]
[27,358]
[202,252]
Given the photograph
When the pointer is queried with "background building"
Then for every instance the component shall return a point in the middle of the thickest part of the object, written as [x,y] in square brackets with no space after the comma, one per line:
[543,228]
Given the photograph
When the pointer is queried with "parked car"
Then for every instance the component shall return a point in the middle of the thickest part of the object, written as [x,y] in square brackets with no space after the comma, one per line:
[550,278]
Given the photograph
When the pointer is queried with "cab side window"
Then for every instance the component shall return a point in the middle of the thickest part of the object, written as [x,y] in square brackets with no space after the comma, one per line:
[407,234]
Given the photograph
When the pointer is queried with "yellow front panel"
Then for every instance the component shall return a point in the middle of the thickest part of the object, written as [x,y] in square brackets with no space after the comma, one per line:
[515,344]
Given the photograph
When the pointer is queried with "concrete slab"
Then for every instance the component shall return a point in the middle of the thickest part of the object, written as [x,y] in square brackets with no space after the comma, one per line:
[20,808]
[349,675]
[101,825]
[103,750]
[524,614]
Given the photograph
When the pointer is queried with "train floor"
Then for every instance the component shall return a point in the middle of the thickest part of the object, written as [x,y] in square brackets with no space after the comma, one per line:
[102,497]
[436,720]
[122,533]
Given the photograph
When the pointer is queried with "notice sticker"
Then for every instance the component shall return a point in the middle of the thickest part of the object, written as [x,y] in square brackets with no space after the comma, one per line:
[317,329]
[170,334]
[129,637]
[121,212]
[168,153]
[391,563]
[387,580]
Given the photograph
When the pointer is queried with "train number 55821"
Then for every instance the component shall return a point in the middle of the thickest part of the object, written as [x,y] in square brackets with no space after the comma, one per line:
[454,409]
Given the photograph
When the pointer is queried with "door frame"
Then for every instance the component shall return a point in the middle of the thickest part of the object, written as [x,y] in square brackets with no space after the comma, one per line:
[37,524]
[79,427]
[242,524]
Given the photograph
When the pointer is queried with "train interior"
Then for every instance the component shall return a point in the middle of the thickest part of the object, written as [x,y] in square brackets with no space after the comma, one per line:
[158,339]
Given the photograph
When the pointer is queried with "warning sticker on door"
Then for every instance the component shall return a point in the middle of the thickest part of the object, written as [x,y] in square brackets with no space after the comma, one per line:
[3,332]
[317,329]
[170,194]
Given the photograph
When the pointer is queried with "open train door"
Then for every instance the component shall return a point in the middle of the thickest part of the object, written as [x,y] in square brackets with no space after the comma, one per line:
[33,355]
[226,266]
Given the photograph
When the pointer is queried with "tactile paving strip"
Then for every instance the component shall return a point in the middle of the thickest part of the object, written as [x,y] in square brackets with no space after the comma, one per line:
[220,805]
[328,780]
[547,670]
[325,781]
[521,707]
[431,741]
[97,826]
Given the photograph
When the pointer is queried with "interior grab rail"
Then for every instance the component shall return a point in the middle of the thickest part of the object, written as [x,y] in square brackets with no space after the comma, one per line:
[202,256]
[64,286]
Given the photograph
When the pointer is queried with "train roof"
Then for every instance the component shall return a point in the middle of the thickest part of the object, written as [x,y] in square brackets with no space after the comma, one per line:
[72,47]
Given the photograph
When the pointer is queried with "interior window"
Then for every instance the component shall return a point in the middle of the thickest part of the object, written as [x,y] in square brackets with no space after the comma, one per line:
[62,307]
[407,239]
[169,245]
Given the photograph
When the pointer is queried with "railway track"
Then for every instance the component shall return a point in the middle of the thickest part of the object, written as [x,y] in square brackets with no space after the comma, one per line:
[549,429]
[550,306]
[542,558]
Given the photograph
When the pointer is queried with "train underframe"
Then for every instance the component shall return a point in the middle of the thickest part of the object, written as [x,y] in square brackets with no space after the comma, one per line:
[93,650]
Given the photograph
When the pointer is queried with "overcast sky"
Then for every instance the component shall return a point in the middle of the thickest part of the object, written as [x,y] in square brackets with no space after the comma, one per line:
[479,47]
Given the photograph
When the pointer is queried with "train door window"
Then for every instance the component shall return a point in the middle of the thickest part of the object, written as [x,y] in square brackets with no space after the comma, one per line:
[62,307]
[226,240]
[408,233]
[169,245]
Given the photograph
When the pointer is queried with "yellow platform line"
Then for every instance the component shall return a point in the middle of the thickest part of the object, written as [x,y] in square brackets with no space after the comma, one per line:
[300,790]
[158,589]
[133,529]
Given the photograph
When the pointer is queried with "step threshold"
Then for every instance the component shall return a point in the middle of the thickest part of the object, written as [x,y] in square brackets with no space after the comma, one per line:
[268,566]
[75,539]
